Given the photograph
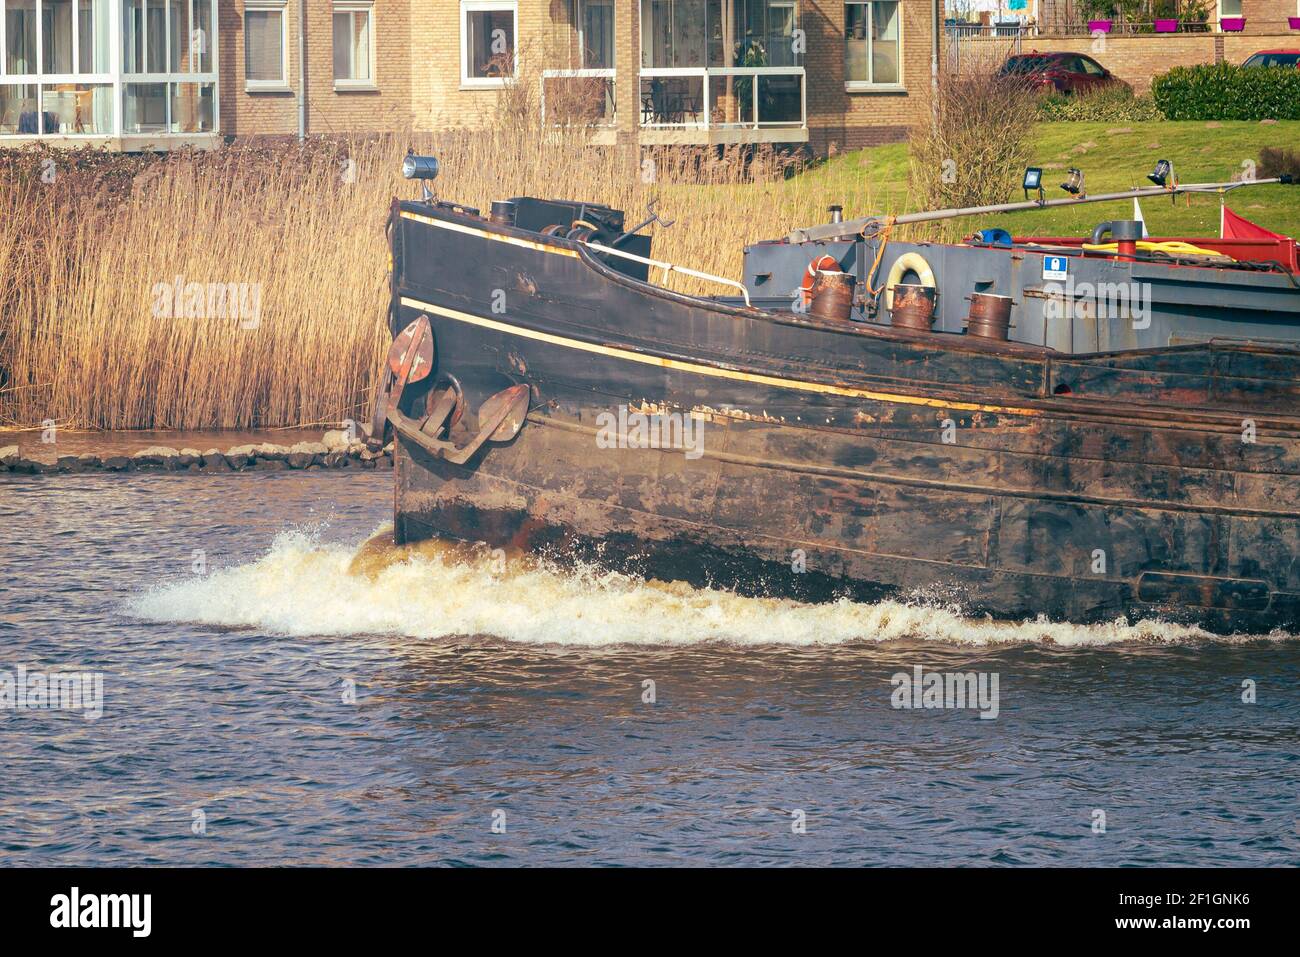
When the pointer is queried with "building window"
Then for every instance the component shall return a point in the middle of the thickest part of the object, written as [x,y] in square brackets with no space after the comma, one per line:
[872,44]
[105,67]
[266,41]
[94,43]
[597,33]
[354,45]
[56,36]
[782,20]
[65,102]
[693,34]
[487,41]
[20,36]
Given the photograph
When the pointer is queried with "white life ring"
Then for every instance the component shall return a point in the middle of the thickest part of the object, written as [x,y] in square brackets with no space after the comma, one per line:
[908,262]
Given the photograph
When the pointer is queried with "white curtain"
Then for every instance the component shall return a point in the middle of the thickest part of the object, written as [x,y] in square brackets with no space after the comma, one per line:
[94,53]
[56,33]
[156,38]
[351,45]
[93,39]
[133,36]
[20,36]
[263,44]
[201,37]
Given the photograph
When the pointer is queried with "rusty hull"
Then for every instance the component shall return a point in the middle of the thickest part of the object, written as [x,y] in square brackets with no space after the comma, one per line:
[839,459]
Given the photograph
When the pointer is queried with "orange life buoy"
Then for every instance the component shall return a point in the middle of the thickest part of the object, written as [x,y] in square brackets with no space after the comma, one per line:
[810,274]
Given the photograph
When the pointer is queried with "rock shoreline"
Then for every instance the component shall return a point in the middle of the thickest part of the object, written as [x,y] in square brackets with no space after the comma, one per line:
[333,451]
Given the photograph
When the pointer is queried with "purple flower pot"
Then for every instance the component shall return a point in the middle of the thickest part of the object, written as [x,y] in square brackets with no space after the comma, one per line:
[1232,24]
[1103,26]
[1293,22]
[1166,26]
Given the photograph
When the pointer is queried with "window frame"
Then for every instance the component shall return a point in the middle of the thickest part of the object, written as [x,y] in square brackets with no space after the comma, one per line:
[112,80]
[282,85]
[1219,14]
[342,85]
[1085,60]
[870,86]
[467,7]
[581,11]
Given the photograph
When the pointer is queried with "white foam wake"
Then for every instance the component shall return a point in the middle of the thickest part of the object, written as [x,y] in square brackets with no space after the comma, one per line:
[303,587]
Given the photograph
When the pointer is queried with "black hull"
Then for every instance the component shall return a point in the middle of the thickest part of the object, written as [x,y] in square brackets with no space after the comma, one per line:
[848,462]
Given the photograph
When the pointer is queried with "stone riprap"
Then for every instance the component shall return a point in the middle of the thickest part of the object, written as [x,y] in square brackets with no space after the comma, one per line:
[334,451]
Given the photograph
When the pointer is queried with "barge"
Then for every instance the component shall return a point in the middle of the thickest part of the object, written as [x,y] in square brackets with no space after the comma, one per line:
[991,424]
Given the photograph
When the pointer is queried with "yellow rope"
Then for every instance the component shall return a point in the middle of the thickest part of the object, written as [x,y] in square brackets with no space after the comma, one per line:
[883,233]
[1172,247]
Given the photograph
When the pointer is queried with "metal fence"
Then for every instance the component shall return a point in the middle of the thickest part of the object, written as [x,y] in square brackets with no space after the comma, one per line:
[1071,17]
[987,40]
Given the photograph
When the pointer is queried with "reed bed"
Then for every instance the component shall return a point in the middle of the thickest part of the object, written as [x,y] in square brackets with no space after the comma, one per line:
[88,243]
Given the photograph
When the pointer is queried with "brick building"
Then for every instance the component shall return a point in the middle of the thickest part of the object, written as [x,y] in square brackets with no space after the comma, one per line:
[153,74]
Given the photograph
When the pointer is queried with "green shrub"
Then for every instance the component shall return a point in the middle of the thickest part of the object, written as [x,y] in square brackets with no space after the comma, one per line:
[1113,104]
[1224,91]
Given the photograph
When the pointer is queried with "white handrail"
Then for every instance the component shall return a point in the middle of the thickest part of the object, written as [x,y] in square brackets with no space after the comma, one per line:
[669,267]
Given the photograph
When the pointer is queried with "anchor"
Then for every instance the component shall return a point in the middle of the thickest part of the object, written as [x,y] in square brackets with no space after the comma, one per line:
[410,360]
[651,217]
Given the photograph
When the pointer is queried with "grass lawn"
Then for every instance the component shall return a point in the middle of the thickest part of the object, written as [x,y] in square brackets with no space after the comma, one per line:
[1113,156]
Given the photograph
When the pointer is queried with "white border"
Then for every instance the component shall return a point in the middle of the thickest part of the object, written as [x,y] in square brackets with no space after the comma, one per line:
[468,82]
[868,86]
[281,7]
[368,8]
[116,78]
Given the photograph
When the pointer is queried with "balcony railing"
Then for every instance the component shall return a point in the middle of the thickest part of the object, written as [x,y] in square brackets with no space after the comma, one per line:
[1123,28]
[1080,18]
[960,32]
[723,98]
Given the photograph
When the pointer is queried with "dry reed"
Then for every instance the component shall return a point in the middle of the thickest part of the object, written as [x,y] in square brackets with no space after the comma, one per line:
[82,258]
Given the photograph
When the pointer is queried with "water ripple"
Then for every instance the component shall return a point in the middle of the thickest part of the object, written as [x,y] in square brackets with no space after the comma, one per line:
[316,705]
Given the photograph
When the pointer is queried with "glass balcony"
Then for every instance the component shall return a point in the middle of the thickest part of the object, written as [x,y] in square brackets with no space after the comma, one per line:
[729,98]
[727,68]
[109,69]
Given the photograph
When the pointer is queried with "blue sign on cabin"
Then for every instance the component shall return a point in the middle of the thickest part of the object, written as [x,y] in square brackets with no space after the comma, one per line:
[1055,268]
[1016,4]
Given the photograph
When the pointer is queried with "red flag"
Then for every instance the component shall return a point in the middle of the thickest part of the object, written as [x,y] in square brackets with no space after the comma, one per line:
[1239,227]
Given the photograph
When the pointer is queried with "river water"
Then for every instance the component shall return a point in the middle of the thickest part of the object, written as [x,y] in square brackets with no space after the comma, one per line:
[274,693]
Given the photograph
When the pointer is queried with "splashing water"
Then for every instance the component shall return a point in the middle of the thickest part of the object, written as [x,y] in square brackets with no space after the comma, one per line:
[442,590]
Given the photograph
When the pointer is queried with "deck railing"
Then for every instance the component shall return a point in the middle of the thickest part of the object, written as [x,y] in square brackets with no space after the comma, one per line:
[723,98]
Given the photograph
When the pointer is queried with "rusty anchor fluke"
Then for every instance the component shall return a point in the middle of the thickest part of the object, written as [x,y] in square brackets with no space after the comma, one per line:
[410,359]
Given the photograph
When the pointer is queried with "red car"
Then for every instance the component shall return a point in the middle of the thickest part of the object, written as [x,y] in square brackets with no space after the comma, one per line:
[1284,58]
[1061,72]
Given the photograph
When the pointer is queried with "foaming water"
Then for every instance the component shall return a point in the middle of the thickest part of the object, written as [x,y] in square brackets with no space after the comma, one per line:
[442,590]
[326,703]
